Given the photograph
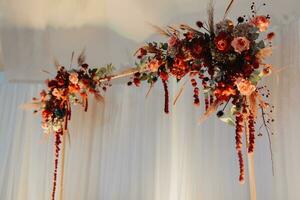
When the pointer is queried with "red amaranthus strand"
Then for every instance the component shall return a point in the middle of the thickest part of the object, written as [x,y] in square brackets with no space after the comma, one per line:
[57,149]
[251,126]
[166,96]
[238,143]
[204,85]
[196,92]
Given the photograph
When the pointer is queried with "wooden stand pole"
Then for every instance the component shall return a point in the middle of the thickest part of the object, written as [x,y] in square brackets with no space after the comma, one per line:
[62,168]
[251,172]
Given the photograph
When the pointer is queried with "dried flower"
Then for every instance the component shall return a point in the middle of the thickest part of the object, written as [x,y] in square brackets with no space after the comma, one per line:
[240,44]
[270,36]
[263,53]
[267,70]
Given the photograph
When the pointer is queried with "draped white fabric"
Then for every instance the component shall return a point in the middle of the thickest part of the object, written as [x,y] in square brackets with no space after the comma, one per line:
[128,148]
[33,32]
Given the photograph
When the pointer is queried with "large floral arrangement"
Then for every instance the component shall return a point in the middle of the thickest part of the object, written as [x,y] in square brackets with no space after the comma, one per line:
[227,58]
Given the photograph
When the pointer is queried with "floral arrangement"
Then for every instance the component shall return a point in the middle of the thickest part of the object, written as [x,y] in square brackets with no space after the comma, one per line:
[69,87]
[227,58]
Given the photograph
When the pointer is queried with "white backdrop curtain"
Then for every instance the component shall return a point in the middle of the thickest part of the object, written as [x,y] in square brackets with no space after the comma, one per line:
[129,149]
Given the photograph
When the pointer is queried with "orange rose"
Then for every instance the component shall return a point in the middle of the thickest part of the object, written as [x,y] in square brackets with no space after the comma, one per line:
[261,22]
[154,65]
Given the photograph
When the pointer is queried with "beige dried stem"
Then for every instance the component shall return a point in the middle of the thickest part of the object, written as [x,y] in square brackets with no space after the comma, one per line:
[228,9]
[211,109]
[210,14]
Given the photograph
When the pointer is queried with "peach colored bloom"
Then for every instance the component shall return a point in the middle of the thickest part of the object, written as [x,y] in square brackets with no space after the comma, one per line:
[154,65]
[44,125]
[240,44]
[261,22]
[224,93]
[245,86]
[57,93]
[74,88]
[73,78]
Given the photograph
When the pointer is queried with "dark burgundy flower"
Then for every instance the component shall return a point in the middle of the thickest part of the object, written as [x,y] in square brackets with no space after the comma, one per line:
[199,24]
[52,84]
[222,42]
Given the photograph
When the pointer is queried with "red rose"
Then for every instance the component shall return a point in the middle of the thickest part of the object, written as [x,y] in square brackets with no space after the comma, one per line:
[222,42]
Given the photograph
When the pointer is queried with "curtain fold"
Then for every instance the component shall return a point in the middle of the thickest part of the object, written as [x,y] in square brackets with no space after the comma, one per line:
[127,148]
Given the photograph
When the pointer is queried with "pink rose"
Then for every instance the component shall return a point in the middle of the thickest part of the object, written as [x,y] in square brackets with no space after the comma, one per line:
[261,22]
[240,44]
[172,41]
[73,78]
[245,86]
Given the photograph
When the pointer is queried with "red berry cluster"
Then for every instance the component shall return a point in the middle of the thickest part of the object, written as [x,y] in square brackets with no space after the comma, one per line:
[196,92]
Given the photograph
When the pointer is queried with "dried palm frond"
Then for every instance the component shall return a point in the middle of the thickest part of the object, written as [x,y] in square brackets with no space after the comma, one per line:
[188,28]
[29,106]
[211,109]
[56,64]
[150,89]
[179,92]
[210,13]
[228,8]
[72,57]
[173,30]
[160,30]
[99,97]
[81,58]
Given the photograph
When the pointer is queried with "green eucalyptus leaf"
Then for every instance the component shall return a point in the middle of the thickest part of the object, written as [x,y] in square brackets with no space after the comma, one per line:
[255,77]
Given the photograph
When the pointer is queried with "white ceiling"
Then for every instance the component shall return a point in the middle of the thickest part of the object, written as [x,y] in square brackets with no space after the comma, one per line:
[35,31]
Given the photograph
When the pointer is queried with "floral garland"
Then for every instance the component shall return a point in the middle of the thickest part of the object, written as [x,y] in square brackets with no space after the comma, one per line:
[227,58]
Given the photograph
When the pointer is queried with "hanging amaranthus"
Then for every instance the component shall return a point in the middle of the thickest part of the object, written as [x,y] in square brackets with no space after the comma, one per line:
[166,109]
[239,144]
[251,126]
